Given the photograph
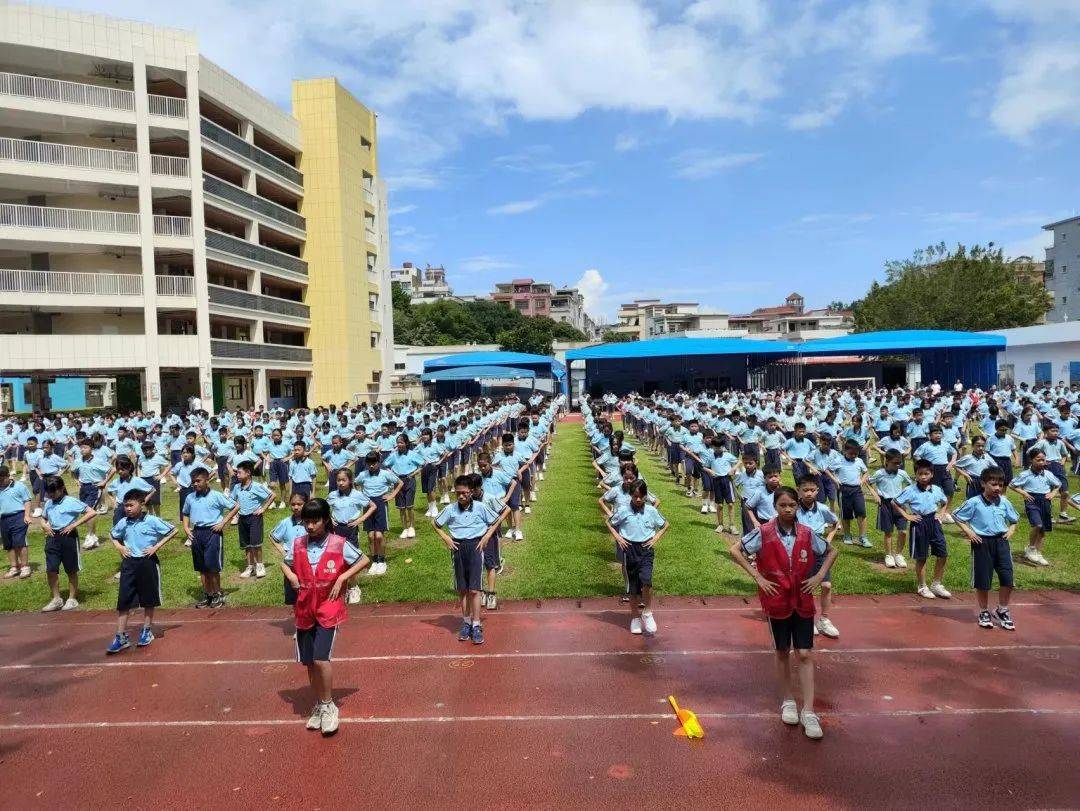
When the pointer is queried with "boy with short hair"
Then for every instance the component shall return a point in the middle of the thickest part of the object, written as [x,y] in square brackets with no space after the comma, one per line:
[1057,452]
[380,486]
[15,500]
[302,472]
[1038,486]
[493,564]
[886,484]
[823,522]
[252,500]
[138,537]
[636,530]
[923,504]
[465,527]
[849,472]
[93,476]
[940,455]
[205,513]
[989,521]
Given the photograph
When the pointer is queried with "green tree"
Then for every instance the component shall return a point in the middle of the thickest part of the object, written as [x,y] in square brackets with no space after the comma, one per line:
[401,300]
[963,289]
[610,336]
[561,331]
[532,336]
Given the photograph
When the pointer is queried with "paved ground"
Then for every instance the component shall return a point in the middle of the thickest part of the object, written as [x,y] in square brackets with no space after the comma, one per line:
[562,708]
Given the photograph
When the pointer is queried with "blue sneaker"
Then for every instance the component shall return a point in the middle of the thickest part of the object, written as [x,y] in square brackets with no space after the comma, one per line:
[146,636]
[466,631]
[120,642]
[478,635]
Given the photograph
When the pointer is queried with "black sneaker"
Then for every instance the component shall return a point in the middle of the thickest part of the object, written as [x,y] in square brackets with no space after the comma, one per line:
[1005,618]
[217,601]
[204,602]
[984,620]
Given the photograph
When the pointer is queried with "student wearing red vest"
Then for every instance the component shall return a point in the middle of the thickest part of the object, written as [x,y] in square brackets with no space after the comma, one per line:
[318,565]
[784,573]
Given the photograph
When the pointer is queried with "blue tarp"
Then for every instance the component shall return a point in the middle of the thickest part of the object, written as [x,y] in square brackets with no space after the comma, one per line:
[674,347]
[901,341]
[474,372]
[543,365]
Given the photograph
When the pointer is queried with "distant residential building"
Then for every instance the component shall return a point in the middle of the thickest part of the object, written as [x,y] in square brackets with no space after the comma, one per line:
[793,321]
[533,298]
[1061,269]
[423,286]
[652,318]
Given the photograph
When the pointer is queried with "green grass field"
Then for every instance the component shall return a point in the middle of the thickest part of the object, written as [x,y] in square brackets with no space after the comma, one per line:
[567,552]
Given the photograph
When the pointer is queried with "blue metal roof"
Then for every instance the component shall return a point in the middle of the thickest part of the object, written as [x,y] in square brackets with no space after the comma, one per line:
[902,340]
[475,372]
[520,360]
[672,347]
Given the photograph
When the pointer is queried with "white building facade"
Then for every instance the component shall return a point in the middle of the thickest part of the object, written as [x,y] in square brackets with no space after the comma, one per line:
[1046,353]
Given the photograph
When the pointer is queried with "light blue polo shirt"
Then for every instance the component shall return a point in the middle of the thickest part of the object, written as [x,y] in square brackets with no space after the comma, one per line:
[315,550]
[798,448]
[1055,451]
[1038,483]
[721,465]
[747,483]
[761,502]
[974,465]
[346,507]
[207,509]
[301,471]
[849,471]
[404,464]
[637,527]
[183,472]
[377,484]
[251,497]
[120,488]
[922,502]
[1000,446]
[63,512]
[817,517]
[936,453]
[987,517]
[279,450]
[51,465]
[466,524]
[496,484]
[14,498]
[287,530]
[91,472]
[339,459]
[152,465]
[140,534]
[900,444]
[890,485]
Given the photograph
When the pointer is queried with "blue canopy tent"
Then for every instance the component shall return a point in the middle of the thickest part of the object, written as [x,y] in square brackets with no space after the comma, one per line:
[505,365]
[670,364]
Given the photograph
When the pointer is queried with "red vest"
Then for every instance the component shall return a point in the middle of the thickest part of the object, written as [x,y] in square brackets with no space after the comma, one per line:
[313,603]
[786,572]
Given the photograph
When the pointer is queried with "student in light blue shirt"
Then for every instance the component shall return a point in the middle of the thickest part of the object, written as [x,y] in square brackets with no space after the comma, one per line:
[252,499]
[15,517]
[285,532]
[971,465]
[138,537]
[886,484]
[922,504]
[205,513]
[302,472]
[124,481]
[849,472]
[406,462]
[823,462]
[989,521]
[797,449]
[939,454]
[636,530]
[1038,486]
[349,506]
[380,485]
[823,523]
[1001,446]
[151,465]
[723,491]
[61,518]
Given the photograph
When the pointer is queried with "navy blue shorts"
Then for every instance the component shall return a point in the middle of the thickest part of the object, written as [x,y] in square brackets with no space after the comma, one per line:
[799,469]
[925,538]
[350,534]
[223,467]
[63,550]
[792,632]
[638,565]
[492,555]
[429,476]
[155,496]
[314,644]
[1058,469]
[773,458]
[37,485]
[514,502]
[250,531]
[674,454]
[207,553]
[378,521]
[183,494]
[279,471]
[888,519]
[826,488]
[722,489]
[526,479]
[990,556]
[140,583]
[690,465]
[943,479]
[303,488]
[1039,512]
[89,494]
[852,502]
[468,565]
[406,496]
[13,531]
[818,561]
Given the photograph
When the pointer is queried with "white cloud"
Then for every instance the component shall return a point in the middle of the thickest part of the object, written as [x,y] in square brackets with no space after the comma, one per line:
[627,142]
[484,263]
[400,210]
[698,164]
[592,287]
[517,206]
[536,160]
[415,178]
[1034,246]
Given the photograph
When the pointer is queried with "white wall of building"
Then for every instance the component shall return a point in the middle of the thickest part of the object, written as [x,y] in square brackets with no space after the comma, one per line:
[1056,344]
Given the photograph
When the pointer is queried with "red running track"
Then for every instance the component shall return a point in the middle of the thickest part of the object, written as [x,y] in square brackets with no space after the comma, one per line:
[561,708]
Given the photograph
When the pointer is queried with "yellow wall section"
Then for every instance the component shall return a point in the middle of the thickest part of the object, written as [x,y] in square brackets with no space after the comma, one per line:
[332,123]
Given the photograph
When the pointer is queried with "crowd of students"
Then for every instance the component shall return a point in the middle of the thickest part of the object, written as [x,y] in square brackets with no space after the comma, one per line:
[842,446]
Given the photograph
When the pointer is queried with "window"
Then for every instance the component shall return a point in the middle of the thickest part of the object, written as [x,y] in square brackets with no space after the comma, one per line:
[1043,373]
[373,301]
[365,144]
[399,367]
[1064,300]
[522,306]
[375,340]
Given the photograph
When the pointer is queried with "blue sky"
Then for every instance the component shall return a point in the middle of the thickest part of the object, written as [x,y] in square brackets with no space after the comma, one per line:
[721,151]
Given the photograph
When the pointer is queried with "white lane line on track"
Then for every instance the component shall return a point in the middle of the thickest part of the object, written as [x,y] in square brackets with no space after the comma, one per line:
[419,657]
[460,719]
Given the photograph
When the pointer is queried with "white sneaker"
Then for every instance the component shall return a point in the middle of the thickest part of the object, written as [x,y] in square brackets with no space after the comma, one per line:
[379,568]
[235,520]
[248,572]
[948,519]
[825,626]
[352,597]
[282,505]
[649,621]
[704,509]
[864,542]
[404,534]
[528,510]
[56,603]
[509,536]
[90,542]
[712,508]
[811,725]
[24,572]
[329,719]
[70,604]
[848,540]
[116,576]
[315,721]
[1040,559]
[187,542]
[37,513]
[924,591]
[260,570]
[635,625]
[789,713]
[1031,555]
[719,528]
[890,562]
[940,591]
[900,562]
[532,495]
[445,499]
[732,530]
[519,535]
[540,476]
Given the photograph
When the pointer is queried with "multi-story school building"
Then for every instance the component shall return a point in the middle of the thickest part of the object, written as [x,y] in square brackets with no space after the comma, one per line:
[156,227]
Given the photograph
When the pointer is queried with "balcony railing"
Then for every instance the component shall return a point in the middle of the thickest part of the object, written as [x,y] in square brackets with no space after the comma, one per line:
[167,226]
[258,253]
[234,143]
[371,236]
[244,350]
[68,219]
[75,157]
[168,106]
[175,285]
[260,205]
[87,95]
[84,284]
[169,165]
[231,297]
[369,197]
